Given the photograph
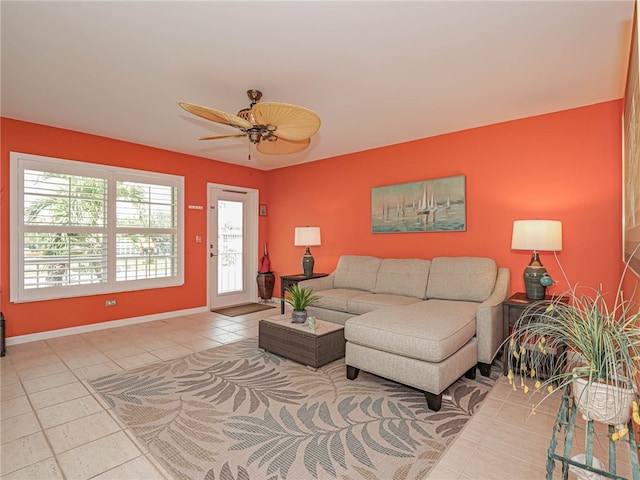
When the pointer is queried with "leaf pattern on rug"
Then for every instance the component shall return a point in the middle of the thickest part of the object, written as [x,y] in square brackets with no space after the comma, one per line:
[235,412]
[331,380]
[465,400]
[251,351]
[239,380]
[455,412]
[323,439]
[181,430]
[432,449]
[226,474]
[402,473]
[247,348]
[130,387]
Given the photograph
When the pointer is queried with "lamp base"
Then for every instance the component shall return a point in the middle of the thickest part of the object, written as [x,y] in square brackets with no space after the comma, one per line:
[307,263]
[532,276]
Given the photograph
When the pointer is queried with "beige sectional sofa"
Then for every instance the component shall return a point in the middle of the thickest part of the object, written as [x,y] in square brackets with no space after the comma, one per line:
[420,322]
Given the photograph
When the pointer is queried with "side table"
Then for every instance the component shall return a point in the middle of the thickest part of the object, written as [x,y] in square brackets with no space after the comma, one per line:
[569,426]
[512,310]
[288,281]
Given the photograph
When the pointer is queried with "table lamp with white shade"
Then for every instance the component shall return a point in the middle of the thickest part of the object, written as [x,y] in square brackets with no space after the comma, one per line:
[307,237]
[536,235]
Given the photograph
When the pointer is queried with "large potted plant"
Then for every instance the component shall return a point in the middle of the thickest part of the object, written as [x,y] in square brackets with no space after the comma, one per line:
[595,350]
[300,299]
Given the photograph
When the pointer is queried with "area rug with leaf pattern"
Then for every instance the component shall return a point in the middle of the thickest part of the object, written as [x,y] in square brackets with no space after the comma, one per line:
[235,412]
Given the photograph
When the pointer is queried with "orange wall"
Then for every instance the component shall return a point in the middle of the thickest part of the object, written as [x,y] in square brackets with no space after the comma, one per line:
[564,166]
[25,318]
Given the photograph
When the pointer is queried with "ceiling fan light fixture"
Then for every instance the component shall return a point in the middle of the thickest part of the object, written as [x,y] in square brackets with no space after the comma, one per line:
[255,135]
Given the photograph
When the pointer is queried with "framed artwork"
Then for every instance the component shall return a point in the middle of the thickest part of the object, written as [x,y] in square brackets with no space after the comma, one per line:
[437,205]
[262,210]
[631,158]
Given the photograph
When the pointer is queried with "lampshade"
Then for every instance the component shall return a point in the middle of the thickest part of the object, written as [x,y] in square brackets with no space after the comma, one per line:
[307,236]
[537,235]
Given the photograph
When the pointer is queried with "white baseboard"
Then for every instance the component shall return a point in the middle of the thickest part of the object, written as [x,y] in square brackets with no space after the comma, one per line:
[33,337]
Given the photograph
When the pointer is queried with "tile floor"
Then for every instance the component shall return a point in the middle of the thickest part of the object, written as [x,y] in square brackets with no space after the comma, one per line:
[54,427]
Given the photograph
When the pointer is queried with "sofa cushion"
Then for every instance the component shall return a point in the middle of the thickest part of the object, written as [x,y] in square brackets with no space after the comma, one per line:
[462,278]
[367,302]
[356,271]
[335,299]
[430,331]
[406,276]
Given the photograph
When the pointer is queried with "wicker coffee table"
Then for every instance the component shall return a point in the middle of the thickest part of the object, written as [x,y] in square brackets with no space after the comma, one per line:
[296,341]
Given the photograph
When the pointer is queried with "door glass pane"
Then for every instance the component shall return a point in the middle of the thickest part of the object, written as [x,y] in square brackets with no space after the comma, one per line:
[230,246]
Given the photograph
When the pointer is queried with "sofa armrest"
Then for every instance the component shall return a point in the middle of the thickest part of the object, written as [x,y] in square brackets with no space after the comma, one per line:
[318,284]
[489,326]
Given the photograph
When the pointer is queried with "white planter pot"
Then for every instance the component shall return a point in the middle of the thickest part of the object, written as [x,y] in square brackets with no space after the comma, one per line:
[602,402]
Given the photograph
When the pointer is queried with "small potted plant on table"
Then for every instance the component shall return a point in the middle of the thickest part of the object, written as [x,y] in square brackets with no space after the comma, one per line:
[300,299]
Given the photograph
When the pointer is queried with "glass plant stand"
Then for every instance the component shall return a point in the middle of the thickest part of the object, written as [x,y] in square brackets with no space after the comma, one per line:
[566,429]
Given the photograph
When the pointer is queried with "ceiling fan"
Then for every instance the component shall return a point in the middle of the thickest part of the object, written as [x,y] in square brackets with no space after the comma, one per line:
[274,128]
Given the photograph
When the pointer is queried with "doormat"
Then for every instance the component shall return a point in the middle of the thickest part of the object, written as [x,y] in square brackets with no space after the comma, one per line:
[243,309]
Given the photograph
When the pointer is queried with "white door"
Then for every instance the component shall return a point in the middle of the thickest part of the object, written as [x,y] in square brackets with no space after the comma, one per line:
[233,240]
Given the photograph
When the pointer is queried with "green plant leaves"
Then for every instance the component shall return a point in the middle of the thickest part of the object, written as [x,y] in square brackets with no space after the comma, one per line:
[300,298]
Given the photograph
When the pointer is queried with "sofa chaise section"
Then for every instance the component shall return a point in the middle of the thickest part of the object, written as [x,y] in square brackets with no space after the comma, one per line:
[420,322]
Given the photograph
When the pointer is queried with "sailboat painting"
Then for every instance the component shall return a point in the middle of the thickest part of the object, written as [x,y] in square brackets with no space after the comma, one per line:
[437,205]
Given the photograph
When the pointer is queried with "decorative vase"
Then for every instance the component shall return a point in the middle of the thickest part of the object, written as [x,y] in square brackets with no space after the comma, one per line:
[266,282]
[299,316]
[609,404]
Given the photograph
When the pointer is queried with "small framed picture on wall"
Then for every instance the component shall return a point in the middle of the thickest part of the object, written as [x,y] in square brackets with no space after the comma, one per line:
[262,210]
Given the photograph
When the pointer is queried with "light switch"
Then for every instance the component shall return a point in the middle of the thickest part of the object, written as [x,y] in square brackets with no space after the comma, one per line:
[198,238]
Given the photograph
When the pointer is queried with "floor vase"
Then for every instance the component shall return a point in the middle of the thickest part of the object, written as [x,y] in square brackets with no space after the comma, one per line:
[266,282]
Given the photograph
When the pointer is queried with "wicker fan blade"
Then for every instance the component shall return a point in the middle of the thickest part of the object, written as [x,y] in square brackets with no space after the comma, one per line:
[292,122]
[217,116]
[216,137]
[282,146]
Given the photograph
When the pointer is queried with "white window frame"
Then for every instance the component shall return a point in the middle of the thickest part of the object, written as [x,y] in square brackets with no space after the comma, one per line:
[19,162]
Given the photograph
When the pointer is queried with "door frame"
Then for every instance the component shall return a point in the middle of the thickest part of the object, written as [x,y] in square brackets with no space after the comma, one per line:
[251,252]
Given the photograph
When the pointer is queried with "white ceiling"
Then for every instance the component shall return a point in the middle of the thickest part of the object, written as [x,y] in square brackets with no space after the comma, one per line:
[377,73]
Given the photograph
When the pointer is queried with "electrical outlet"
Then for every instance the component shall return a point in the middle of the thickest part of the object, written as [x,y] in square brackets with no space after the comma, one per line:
[110,303]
